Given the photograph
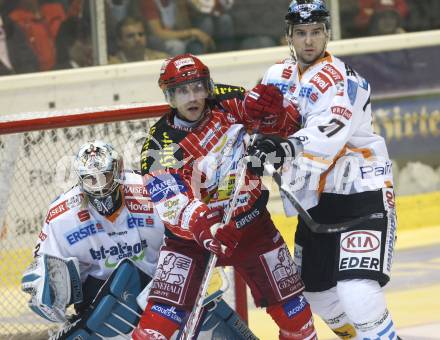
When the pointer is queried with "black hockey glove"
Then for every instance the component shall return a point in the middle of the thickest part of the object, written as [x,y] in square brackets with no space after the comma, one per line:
[269,150]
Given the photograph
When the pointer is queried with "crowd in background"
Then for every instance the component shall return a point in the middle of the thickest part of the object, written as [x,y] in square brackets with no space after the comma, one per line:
[42,35]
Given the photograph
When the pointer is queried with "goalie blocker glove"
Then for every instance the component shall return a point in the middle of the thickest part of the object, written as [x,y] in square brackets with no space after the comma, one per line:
[272,150]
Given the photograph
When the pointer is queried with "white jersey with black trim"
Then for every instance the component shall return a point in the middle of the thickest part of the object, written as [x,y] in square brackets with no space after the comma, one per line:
[73,228]
[336,149]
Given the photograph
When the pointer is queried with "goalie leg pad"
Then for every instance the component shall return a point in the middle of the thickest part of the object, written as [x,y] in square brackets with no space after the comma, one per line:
[116,308]
[72,330]
[114,311]
[108,320]
[222,322]
[54,283]
[294,318]
[159,320]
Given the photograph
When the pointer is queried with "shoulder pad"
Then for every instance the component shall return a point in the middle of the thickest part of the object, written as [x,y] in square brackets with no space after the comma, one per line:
[64,203]
[225,92]
[362,82]
[56,199]
[349,71]
[133,177]
[332,72]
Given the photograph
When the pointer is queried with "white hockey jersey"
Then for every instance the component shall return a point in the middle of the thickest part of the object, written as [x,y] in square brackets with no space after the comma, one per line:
[337,150]
[73,228]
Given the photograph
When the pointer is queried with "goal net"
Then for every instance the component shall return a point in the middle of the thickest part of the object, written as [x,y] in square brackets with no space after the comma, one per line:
[36,153]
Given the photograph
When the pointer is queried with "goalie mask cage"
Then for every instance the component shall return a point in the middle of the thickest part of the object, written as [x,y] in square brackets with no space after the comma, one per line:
[36,153]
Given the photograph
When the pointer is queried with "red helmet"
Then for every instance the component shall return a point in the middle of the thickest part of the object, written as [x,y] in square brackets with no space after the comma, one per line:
[182,69]
[185,70]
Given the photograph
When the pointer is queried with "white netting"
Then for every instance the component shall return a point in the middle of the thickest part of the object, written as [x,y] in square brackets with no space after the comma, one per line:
[34,170]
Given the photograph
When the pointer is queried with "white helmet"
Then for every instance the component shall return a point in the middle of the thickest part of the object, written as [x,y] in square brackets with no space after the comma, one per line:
[99,169]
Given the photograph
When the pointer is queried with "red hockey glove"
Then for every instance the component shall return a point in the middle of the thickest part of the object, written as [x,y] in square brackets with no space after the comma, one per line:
[264,108]
[262,101]
[220,239]
[292,120]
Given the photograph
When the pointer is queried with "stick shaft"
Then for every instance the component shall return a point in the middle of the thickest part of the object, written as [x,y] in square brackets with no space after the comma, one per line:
[310,222]
[191,324]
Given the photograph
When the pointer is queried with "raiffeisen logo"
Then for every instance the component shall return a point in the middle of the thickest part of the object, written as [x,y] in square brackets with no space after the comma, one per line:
[114,254]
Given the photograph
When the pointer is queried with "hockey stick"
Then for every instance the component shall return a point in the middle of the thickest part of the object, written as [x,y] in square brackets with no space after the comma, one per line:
[314,226]
[193,319]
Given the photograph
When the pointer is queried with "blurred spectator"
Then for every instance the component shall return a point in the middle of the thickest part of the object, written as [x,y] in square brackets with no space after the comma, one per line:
[169,21]
[132,43]
[372,17]
[113,9]
[348,11]
[423,15]
[15,54]
[82,9]
[74,44]
[382,16]
[115,12]
[213,17]
[73,8]
[121,9]
[40,23]
[257,22]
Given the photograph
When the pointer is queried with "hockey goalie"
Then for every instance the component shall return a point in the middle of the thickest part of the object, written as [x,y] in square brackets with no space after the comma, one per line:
[98,250]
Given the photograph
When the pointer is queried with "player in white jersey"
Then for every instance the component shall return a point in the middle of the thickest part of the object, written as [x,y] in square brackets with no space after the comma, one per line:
[88,231]
[340,171]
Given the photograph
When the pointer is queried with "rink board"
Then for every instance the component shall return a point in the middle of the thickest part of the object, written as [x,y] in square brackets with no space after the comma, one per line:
[414,212]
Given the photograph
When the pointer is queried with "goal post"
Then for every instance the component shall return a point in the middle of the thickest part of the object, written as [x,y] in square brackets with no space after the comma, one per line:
[36,153]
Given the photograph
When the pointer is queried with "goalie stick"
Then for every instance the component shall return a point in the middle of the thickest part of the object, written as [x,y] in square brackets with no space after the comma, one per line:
[314,226]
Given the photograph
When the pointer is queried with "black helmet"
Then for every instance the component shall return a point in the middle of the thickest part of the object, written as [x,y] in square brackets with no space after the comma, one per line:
[308,12]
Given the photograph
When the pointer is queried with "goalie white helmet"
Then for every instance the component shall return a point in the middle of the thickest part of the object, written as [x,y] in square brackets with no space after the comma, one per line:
[99,168]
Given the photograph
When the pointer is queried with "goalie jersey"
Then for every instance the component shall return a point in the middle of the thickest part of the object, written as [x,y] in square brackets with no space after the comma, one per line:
[73,228]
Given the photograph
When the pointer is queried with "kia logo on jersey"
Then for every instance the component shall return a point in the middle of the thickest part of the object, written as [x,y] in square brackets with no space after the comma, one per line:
[360,242]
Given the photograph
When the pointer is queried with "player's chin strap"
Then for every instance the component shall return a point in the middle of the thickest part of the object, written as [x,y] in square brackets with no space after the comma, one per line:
[191,325]
[310,222]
